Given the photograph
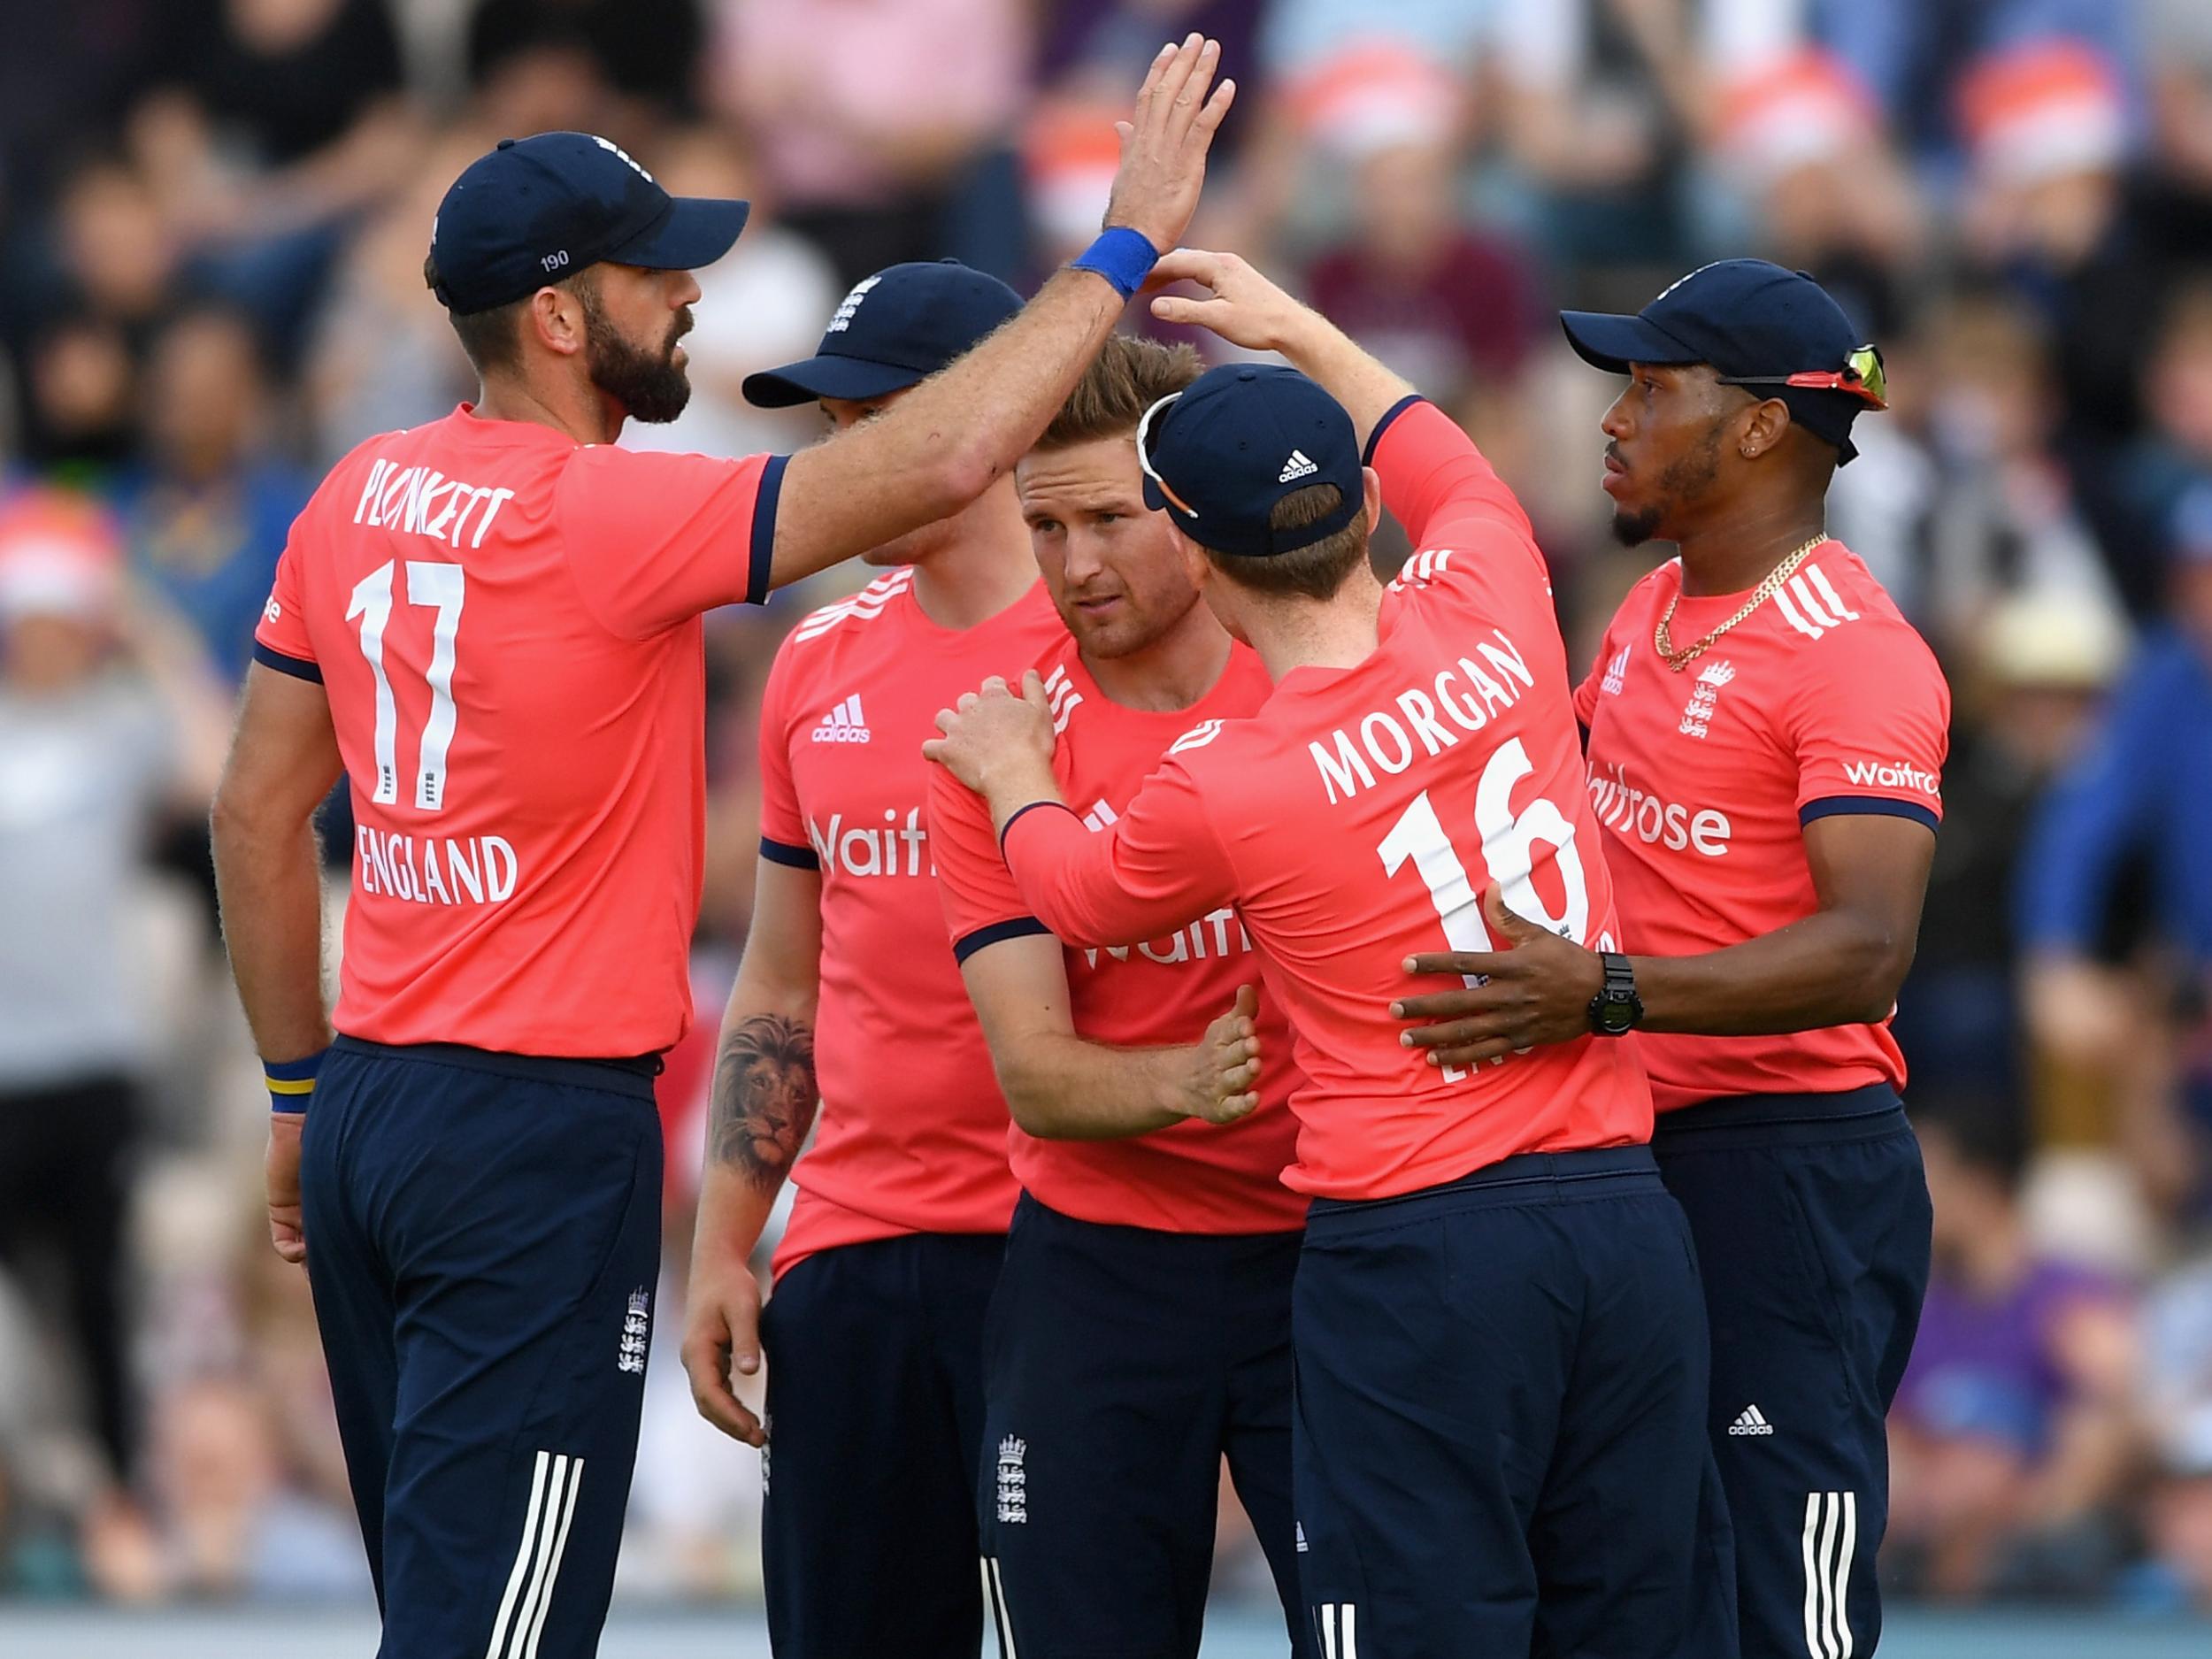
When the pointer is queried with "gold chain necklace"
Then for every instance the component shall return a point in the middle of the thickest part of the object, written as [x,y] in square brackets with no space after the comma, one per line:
[1662,640]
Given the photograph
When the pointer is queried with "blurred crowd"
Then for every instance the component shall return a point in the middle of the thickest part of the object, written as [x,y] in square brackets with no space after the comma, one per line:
[212,219]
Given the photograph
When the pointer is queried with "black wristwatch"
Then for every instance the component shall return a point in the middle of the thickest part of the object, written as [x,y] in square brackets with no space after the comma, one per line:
[1616,1009]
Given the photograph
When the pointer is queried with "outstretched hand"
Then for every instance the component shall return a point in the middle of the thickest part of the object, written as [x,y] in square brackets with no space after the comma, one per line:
[1537,990]
[1164,144]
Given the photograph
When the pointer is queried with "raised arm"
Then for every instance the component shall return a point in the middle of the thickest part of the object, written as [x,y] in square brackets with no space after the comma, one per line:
[1246,310]
[1063,1086]
[764,1099]
[949,440]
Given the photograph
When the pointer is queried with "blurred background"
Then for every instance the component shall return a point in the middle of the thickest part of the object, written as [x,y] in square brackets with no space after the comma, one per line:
[212,218]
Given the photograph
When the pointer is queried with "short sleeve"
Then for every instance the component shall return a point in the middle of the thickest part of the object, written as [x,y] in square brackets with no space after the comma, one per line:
[983,905]
[783,833]
[1159,866]
[280,639]
[653,540]
[1870,730]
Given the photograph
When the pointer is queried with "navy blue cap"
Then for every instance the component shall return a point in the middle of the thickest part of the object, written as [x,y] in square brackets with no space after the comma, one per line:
[896,327]
[536,209]
[1218,456]
[1745,317]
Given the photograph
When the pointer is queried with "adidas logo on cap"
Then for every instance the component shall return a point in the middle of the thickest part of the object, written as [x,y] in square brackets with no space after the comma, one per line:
[1297,466]
[843,724]
[1751,1421]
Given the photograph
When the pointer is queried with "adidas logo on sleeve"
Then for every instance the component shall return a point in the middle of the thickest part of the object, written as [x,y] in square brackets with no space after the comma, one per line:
[1751,1420]
[1298,466]
[843,724]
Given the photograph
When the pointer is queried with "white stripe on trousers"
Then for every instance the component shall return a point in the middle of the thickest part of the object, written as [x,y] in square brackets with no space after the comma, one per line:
[519,1626]
[994,1598]
[1340,1630]
[1831,1537]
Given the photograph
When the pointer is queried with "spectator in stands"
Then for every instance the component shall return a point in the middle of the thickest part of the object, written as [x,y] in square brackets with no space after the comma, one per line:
[2177,1399]
[1444,305]
[647,51]
[78,413]
[882,125]
[2011,1435]
[2001,518]
[380,358]
[2142,790]
[95,743]
[271,122]
[229,1521]
[207,508]
[117,254]
[2027,686]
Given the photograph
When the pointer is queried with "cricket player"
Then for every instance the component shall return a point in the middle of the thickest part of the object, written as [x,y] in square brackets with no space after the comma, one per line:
[874,1334]
[491,623]
[1498,1333]
[1141,1333]
[1766,738]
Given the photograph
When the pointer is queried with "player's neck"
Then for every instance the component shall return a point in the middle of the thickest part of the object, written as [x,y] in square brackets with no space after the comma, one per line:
[1339,632]
[982,565]
[1172,673]
[1734,547]
[577,408]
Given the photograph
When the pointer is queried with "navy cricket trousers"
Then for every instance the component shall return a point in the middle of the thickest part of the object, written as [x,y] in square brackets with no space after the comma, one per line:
[1500,1390]
[1121,1366]
[1811,1217]
[483,1236]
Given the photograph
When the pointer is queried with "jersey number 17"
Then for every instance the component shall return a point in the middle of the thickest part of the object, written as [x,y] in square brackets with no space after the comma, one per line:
[434,585]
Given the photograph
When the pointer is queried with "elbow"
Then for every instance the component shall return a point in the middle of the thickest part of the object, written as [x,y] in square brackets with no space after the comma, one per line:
[962,473]
[1872,994]
[1027,1102]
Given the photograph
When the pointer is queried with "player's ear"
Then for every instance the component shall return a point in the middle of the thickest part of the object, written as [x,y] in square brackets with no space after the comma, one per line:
[555,315]
[1370,481]
[1765,424]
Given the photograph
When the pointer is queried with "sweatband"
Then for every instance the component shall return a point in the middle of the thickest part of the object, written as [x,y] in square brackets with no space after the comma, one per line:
[1125,258]
[292,1081]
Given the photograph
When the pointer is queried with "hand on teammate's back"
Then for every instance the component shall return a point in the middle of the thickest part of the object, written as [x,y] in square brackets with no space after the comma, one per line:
[1163,146]
[1241,305]
[1225,1069]
[1537,990]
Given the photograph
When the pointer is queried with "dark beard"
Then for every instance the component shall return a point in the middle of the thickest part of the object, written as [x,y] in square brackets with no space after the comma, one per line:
[649,386]
[1685,480]
[1635,529]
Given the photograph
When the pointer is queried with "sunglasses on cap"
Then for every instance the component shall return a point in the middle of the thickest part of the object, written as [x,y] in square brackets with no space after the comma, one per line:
[1144,454]
[1862,375]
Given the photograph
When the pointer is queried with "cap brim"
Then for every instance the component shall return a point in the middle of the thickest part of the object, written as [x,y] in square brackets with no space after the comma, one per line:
[825,376]
[696,232]
[1608,341]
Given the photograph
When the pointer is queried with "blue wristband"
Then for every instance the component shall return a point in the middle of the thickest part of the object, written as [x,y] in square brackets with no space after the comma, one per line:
[292,1082]
[1125,258]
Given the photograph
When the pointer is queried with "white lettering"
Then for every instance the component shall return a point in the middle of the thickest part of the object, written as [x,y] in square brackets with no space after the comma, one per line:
[1630,811]
[368,492]
[1465,712]
[433,884]
[1708,833]
[502,883]
[461,865]
[1422,713]
[1337,774]
[1404,746]
[1508,662]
